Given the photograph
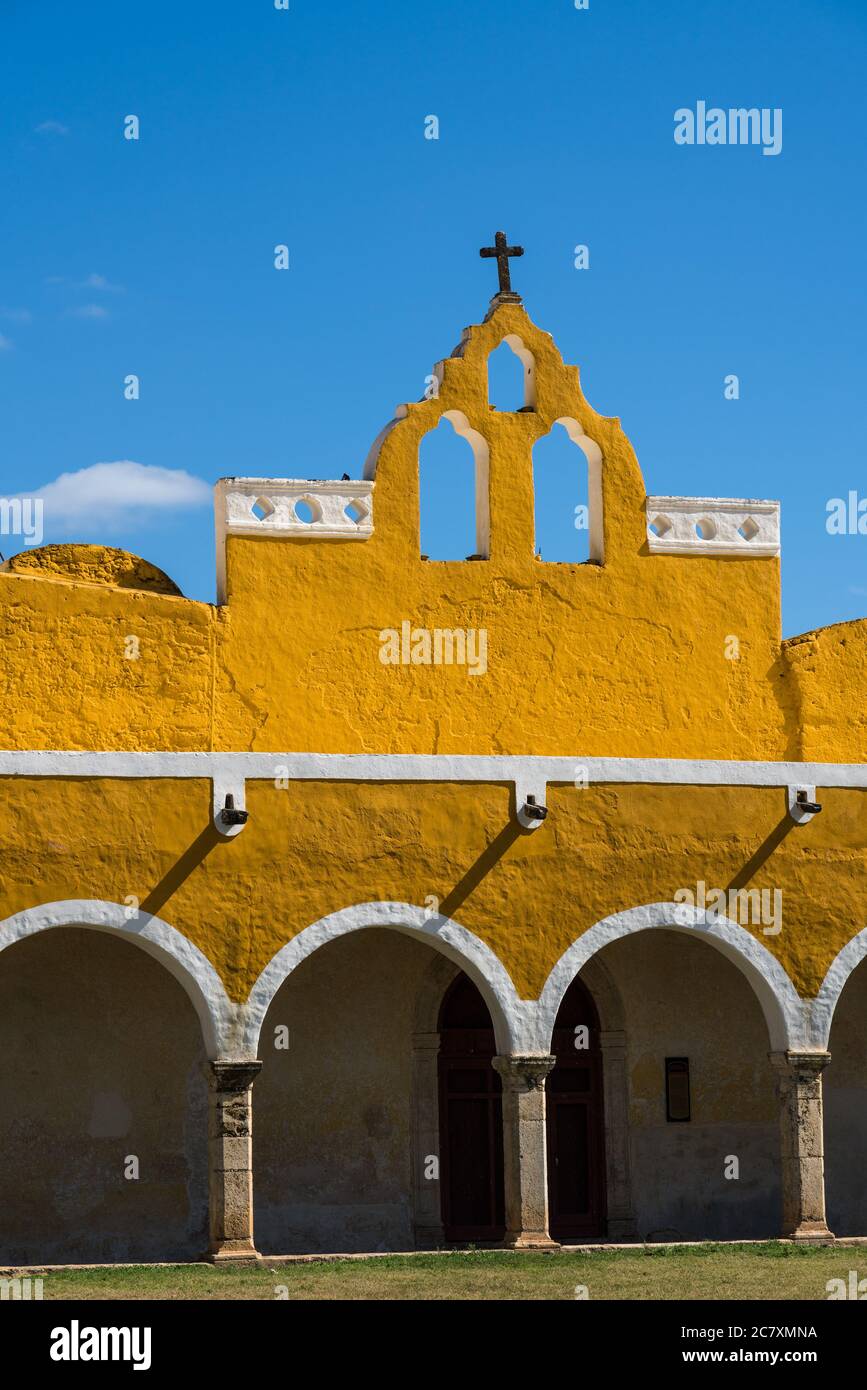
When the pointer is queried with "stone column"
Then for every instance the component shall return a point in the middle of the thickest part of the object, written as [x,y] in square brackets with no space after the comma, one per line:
[621,1223]
[230,1160]
[427,1200]
[525,1151]
[799,1088]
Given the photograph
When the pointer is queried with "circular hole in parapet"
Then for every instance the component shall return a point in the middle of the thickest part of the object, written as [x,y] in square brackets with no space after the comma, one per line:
[307,510]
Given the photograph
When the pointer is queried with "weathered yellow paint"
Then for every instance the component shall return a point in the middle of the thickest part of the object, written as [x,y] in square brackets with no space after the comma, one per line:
[92,564]
[528,895]
[624,658]
[829,670]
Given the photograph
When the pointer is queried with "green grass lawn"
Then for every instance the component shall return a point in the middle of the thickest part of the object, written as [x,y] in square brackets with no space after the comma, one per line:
[772,1270]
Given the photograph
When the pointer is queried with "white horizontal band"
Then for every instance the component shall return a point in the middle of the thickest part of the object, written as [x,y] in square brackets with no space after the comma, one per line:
[430,767]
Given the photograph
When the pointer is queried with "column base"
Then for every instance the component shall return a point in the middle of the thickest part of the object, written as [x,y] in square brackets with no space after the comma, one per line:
[813,1232]
[234,1252]
[530,1241]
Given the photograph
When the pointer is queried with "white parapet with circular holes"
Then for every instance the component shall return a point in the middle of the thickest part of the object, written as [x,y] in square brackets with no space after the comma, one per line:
[294,508]
[712,526]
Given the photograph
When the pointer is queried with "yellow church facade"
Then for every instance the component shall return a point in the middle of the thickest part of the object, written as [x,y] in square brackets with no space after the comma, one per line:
[391,902]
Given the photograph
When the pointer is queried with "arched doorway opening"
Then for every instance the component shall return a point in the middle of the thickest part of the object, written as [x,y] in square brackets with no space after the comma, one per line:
[105,1105]
[679,998]
[348,1150]
[333,1140]
[845,1103]
[471,1119]
[575,1121]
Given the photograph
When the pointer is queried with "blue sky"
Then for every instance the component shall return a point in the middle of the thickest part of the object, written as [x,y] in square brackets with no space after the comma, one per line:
[306,127]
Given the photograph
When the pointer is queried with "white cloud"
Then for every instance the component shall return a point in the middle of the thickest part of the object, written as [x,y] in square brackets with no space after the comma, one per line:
[118,493]
[88,311]
[99,282]
[5,344]
[52,128]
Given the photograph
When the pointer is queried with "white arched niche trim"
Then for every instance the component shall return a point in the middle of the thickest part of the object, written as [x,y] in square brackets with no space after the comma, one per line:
[783,1009]
[508,1012]
[593,455]
[193,971]
[482,455]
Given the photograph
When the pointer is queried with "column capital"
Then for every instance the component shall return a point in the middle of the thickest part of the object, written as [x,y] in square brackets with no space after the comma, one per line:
[524,1073]
[809,1064]
[230,1075]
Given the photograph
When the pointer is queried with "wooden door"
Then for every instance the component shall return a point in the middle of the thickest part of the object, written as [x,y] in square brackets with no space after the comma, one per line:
[471,1119]
[575,1123]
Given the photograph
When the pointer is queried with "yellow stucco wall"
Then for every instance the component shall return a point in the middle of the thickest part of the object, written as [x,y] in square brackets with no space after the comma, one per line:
[624,658]
[602,850]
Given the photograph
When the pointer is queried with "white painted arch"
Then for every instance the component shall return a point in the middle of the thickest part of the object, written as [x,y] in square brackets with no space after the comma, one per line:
[184,961]
[784,1011]
[521,1026]
[826,1001]
[513,1018]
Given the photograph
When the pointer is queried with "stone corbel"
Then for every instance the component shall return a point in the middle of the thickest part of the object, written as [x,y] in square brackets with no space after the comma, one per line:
[530,804]
[229,806]
[803,805]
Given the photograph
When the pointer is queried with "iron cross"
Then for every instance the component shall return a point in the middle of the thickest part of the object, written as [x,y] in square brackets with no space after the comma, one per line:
[502,253]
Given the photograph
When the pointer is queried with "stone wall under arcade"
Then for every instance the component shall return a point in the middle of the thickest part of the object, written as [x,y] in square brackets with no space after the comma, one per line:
[152,954]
